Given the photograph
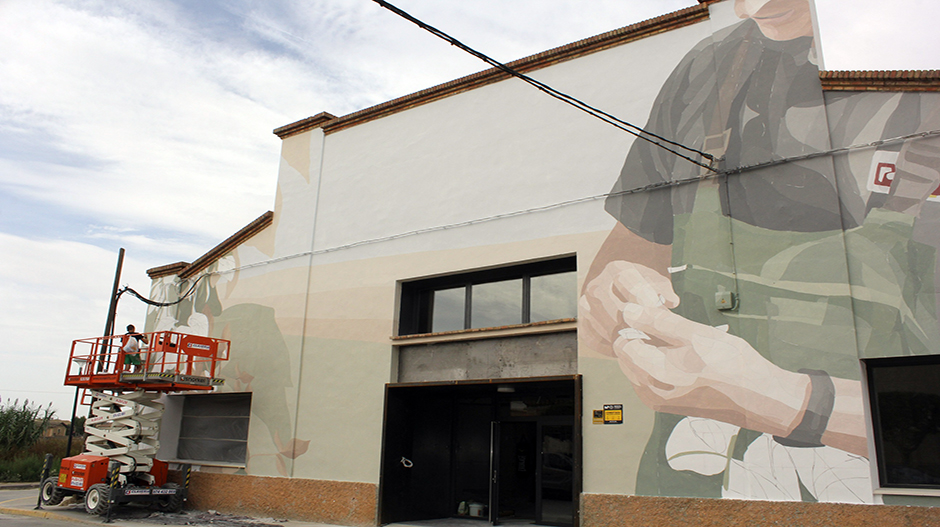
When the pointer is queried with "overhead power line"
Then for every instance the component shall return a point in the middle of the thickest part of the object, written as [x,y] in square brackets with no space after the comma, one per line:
[154,303]
[568,99]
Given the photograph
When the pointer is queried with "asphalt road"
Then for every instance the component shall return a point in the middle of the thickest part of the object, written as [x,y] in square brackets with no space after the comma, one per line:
[10,520]
[23,502]
[17,509]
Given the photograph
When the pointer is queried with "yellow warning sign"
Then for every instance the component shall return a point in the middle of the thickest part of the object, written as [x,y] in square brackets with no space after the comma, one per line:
[613,414]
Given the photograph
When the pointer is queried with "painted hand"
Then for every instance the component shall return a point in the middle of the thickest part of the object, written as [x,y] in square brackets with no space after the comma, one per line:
[683,367]
[604,298]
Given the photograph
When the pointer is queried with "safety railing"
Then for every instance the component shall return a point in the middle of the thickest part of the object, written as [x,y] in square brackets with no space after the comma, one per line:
[167,361]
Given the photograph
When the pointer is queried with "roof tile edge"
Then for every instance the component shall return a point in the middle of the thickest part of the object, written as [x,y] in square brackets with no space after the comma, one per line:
[185,270]
[166,270]
[303,125]
[890,80]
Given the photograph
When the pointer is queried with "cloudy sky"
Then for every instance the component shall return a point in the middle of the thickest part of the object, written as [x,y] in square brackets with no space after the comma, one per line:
[146,124]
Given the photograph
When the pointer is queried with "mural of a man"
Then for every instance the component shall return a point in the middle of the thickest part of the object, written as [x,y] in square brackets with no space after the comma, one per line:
[782,368]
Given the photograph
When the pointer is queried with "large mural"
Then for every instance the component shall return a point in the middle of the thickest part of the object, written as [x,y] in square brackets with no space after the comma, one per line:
[735,300]
[738,306]
[261,362]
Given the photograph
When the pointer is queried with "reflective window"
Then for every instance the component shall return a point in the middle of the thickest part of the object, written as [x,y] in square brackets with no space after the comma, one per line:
[505,296]
[554,296]
[496,304]
[905,398]
[449,306]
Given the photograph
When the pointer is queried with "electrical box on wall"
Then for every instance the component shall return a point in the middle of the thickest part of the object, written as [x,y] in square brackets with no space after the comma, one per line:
[724,300]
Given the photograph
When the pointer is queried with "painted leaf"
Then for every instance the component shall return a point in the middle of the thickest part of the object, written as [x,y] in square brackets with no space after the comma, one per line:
[701,445]
[295,448]
[835,475]
[767,472]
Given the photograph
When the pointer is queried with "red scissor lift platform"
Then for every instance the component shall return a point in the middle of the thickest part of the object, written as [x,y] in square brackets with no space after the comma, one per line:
[118,465]
[172,362]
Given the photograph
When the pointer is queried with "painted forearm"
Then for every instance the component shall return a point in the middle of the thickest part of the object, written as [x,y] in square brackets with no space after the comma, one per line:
[846,429]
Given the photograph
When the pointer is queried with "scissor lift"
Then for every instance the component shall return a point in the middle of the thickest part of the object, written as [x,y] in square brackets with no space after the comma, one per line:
[118,464]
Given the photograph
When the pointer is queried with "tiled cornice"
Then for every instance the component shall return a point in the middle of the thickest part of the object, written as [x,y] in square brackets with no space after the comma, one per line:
[897,80]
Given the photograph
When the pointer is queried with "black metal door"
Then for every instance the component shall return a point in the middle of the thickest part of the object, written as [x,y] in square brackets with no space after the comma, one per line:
[416,464]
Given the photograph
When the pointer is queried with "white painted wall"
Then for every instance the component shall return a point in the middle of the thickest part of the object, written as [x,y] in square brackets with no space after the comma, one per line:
[498,149]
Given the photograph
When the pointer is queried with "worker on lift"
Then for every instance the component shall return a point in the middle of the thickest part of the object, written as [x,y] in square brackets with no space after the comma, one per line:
[130,344]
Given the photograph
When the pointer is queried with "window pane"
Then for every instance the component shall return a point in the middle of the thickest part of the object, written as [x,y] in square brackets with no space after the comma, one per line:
[212,450]
[448,309]
[496,304]
[216,405]
[907,399]
[554,296]
[214,427]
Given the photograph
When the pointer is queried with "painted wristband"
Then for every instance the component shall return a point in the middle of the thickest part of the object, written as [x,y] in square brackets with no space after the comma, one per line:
[822,398]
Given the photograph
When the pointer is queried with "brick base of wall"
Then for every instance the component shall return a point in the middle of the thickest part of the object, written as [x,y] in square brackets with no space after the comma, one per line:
[603,510]
[336,502]
[354,504]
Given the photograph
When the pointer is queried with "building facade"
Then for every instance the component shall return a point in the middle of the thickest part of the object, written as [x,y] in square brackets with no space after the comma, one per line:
[477,300]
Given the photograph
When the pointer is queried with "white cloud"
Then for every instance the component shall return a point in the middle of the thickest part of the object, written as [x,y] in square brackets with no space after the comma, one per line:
[878,35]
[54,292]
[143,108]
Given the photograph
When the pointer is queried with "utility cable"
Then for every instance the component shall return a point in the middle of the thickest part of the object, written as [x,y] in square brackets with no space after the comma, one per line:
[577,103]
[645,188]
[148,301]
[834,151]
[775,162]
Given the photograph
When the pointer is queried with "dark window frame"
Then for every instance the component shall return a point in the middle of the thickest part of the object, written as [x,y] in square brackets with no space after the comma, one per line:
[189,412]
[875,404]
[417,296]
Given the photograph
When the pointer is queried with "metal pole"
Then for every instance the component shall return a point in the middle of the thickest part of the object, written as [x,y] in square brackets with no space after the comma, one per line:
[68,445]
[42,479]
[113,468]
[112,308]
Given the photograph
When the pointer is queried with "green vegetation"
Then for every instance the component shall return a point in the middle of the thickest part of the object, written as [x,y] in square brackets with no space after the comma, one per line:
[22,447]
[22,426]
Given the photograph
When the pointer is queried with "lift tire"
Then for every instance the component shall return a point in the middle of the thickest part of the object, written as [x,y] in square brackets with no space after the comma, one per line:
[173,502]
[96,499]
[50,492]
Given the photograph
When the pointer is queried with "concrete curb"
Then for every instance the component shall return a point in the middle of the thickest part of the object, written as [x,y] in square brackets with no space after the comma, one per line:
[18,486]
[48,515]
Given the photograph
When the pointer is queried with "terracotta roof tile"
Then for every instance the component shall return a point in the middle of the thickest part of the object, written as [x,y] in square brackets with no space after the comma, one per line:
[895,80]
[184,270]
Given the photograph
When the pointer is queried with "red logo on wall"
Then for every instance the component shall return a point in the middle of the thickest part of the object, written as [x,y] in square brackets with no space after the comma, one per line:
[884,166]
[884,174]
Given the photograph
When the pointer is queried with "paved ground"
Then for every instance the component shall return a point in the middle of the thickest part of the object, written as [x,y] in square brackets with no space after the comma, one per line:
[11,520]
[21,501]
